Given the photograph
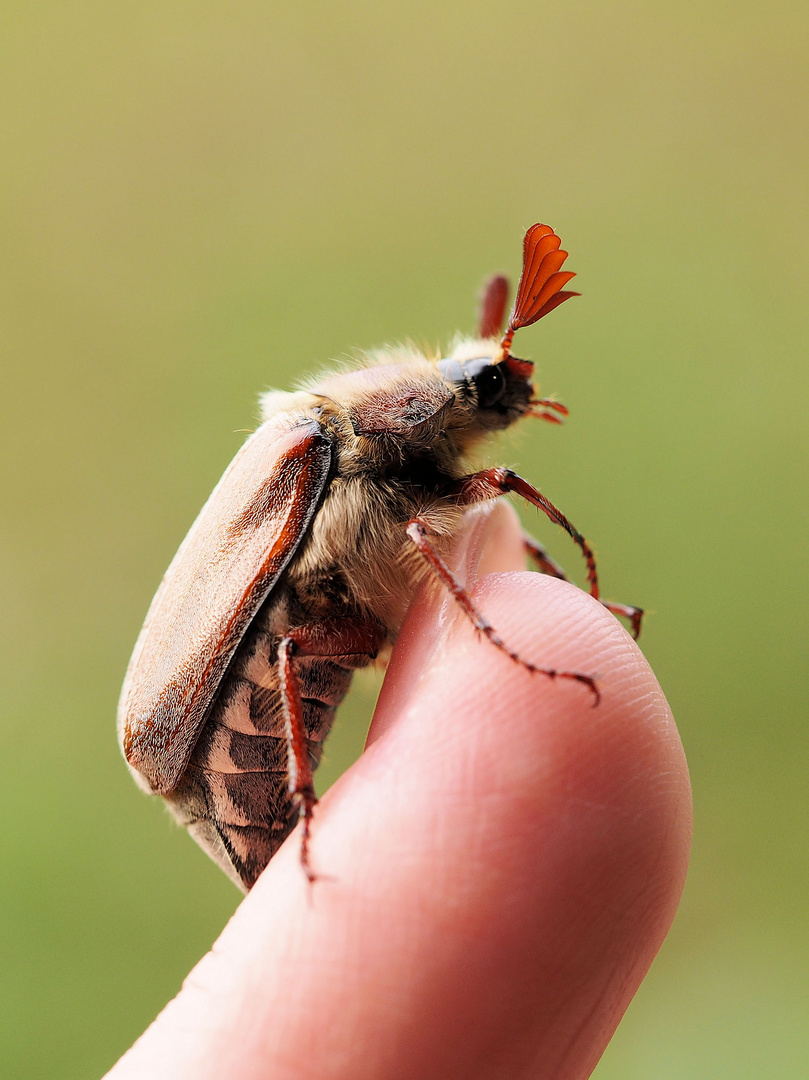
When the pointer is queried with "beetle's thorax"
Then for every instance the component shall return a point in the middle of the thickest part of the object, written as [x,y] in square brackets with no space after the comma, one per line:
[407,405]
[401,431]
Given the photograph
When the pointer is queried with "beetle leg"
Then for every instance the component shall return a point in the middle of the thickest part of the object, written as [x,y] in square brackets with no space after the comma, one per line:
[543,560]
[419,533]
[549,566]
[490,483]
[333,638]
[301,785]
[634,615]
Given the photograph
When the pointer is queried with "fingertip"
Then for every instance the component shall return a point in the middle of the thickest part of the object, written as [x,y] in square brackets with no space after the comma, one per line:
[582,813]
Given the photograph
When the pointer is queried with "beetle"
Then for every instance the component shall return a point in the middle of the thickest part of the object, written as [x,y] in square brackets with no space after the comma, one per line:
[300,567]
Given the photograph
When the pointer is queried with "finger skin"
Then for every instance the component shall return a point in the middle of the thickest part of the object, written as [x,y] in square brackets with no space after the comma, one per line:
[504,862]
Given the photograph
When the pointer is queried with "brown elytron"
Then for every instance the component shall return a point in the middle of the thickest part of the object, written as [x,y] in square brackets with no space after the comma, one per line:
[300,567]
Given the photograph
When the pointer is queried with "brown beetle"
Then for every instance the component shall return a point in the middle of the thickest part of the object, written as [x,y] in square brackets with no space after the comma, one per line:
[301,565]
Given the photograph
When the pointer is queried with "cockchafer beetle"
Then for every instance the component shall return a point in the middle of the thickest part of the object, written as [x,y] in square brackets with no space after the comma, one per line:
[302,563]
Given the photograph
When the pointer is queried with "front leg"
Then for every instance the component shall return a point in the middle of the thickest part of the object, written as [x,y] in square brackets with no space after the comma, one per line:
[334,638]
[490,483]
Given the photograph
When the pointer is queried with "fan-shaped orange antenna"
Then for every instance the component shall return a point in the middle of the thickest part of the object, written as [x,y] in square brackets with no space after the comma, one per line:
[493,307]
[542,283]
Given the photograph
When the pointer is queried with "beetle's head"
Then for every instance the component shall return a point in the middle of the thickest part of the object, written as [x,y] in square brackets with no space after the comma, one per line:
[498,391]
[484,375]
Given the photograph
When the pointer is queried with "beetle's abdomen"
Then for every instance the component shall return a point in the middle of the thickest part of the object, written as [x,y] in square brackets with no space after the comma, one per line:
[234,795]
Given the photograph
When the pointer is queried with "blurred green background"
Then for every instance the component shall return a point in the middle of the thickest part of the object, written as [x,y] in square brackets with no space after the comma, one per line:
[201,200]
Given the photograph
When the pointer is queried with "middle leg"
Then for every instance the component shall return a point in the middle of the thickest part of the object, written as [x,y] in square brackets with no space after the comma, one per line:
[549,566]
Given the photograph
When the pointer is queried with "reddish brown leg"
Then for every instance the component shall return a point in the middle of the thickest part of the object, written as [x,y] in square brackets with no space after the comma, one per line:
[493,482]
[332,637]
[634,615]
[548,566]
[419,534]
[543,560]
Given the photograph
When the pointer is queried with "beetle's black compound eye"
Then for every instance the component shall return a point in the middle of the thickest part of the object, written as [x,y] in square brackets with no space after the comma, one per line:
[490,384]
[487,378]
